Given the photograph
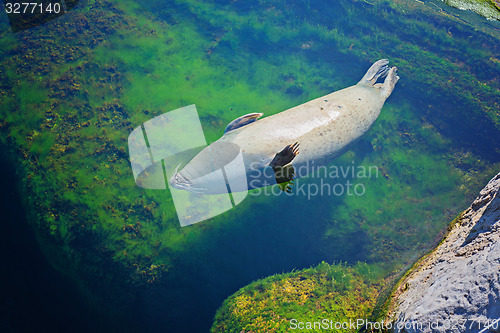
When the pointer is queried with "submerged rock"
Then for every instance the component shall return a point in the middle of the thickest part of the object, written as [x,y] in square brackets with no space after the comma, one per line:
[490,9]
[456,288]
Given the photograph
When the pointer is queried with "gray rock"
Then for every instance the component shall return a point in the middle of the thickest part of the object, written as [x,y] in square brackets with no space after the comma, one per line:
[457,287]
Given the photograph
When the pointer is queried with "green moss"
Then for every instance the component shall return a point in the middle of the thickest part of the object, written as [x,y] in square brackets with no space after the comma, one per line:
[42,144]
[336,292]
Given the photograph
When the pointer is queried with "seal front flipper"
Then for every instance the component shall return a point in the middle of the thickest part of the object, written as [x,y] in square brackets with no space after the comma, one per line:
[283,171]
[285,156]
[242,121]
[287,181]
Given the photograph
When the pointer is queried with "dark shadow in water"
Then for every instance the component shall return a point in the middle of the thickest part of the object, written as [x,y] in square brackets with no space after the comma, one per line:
[35,298]
[468,130]
[269,241]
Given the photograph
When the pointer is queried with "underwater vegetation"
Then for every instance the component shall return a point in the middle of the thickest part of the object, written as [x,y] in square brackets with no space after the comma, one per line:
[71,92]
[275,304]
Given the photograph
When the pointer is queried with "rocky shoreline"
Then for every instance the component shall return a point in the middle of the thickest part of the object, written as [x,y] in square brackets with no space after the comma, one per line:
[456,288]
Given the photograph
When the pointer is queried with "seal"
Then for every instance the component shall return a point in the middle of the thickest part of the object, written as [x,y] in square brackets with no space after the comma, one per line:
[282,147]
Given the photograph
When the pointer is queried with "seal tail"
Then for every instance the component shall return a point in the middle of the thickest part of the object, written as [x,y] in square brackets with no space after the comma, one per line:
[390,81]
[378,70]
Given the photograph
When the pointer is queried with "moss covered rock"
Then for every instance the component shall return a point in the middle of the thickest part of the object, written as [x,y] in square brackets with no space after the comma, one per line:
[323,296]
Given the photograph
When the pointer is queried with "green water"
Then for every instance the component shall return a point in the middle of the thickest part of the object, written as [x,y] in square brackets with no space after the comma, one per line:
[74,89]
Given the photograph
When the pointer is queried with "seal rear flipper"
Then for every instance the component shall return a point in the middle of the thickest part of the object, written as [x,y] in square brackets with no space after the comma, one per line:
[378,70]
[389,82]
[242,121]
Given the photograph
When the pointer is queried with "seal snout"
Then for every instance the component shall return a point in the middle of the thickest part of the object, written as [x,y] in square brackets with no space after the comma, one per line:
[180,182]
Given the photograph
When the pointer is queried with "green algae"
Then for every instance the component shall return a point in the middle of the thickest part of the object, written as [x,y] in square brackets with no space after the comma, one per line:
[42,144]
[414,185]
[337,293]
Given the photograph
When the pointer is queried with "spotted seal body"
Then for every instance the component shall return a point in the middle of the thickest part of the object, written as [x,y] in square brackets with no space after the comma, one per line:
[313,133]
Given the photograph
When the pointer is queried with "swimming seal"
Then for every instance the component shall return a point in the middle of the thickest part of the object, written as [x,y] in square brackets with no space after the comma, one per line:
[282,147]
